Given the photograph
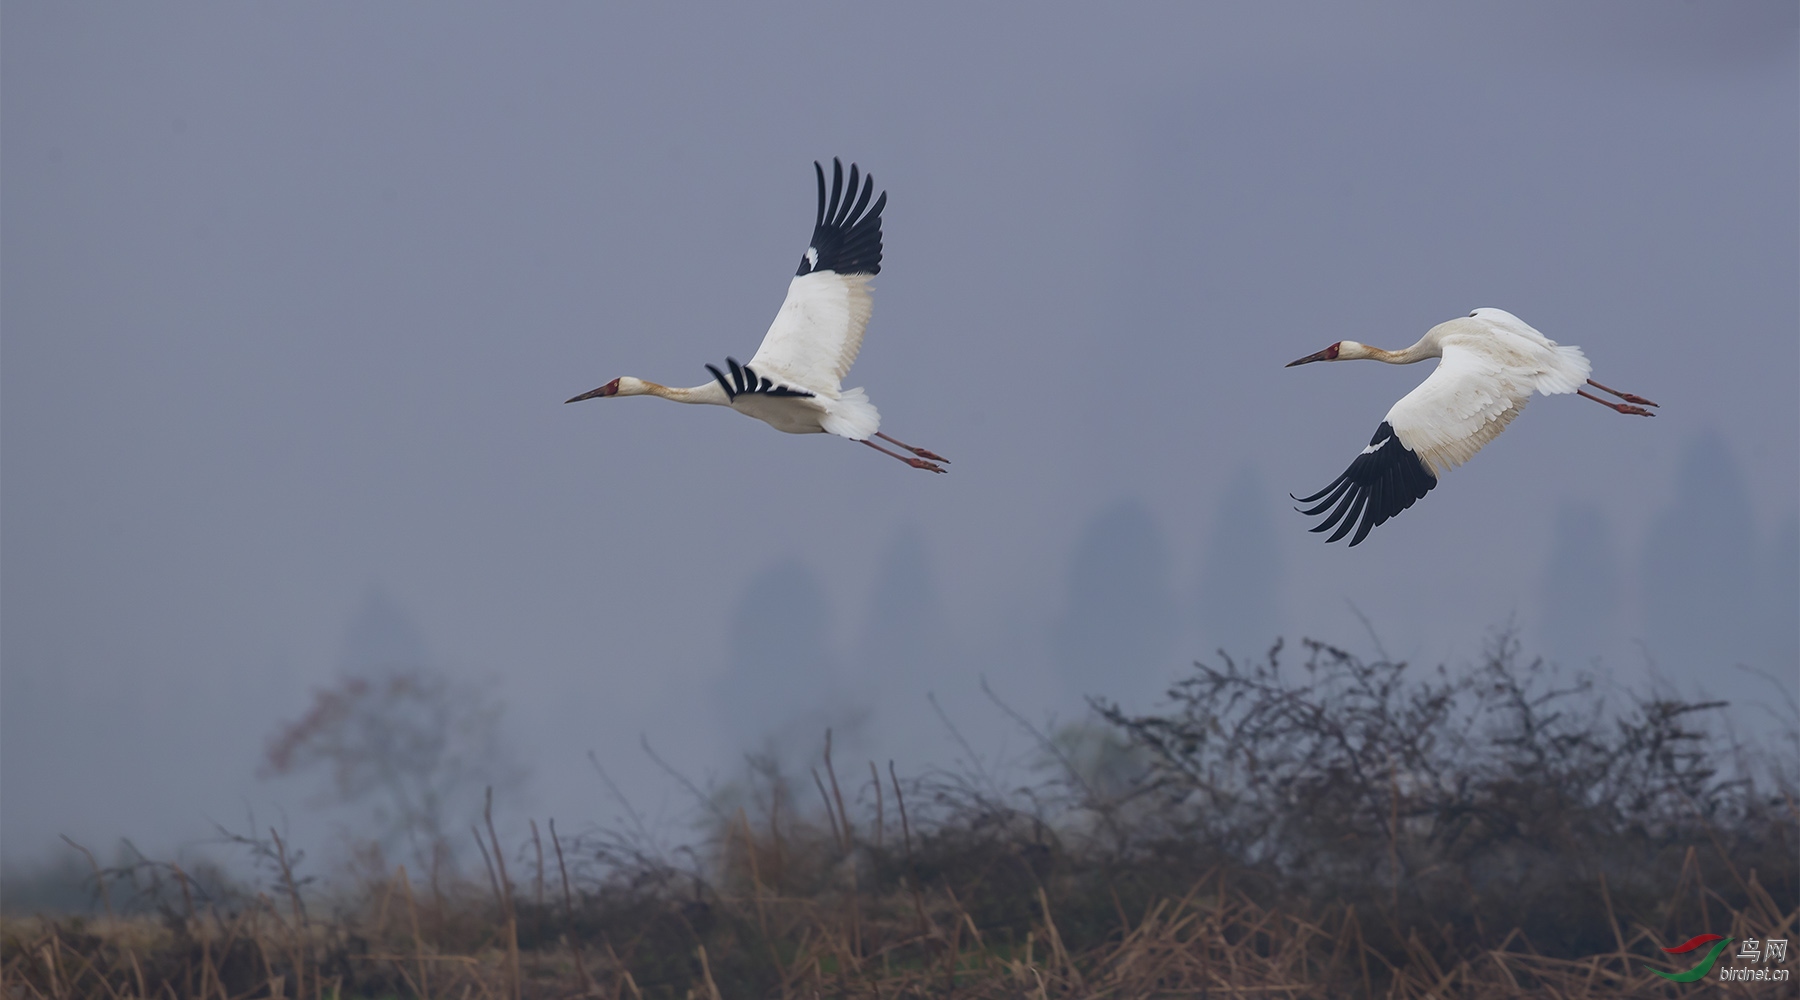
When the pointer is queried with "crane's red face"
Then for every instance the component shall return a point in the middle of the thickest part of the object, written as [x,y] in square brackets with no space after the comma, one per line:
[609,389]
[1328,354]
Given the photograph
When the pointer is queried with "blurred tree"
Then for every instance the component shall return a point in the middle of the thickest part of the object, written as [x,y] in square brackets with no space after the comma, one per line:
[1117,633]
[780,691]
[1701,601]
[381,635]
[903,617]
[1580,587]
[61,883]
[1781,623]
[411,745]
[1240,581]
[901,650]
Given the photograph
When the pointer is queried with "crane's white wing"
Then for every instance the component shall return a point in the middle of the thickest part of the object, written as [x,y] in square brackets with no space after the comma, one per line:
[819,329]
[818,332]
[1465,404]
[1442,423]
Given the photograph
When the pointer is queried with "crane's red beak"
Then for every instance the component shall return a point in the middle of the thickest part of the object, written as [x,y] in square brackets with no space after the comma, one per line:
[1328,354]
[609,389]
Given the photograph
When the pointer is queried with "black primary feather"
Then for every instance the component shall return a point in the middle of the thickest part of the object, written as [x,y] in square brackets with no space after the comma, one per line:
[1384,480]
[730,393]
[745,380]
[844,239]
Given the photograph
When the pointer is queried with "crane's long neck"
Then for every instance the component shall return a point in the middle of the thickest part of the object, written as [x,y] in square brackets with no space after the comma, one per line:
[1427,347]
[708,394]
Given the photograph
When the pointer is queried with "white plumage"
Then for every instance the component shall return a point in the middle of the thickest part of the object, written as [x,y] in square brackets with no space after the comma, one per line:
[811,345]
[794,381]
[1492,362]
[819,330]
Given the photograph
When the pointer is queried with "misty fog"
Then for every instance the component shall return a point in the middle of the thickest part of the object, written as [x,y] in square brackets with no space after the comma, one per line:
[292,296]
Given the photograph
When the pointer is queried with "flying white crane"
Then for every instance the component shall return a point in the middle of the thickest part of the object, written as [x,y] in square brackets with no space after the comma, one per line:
[1492,362]
[792,383]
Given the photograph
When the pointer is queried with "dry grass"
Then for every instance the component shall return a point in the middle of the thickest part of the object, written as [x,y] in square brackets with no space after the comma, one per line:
[1208,941]
[1245,844]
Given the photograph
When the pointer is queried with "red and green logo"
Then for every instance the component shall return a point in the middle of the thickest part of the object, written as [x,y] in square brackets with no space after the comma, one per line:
[1719,944]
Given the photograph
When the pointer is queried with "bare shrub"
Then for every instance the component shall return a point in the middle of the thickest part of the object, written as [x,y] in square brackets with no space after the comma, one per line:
[412,746]
[1508,797]
[1339,827]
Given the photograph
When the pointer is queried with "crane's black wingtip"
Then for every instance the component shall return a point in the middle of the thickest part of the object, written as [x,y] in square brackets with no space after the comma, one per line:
[1384,480]
[744,381]
[846,238]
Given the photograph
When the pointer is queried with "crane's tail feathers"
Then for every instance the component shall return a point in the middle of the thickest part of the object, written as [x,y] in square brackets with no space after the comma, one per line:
[851,415]
[1569,373]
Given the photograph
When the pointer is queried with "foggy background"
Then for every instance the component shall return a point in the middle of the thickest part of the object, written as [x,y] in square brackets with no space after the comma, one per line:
[292,296]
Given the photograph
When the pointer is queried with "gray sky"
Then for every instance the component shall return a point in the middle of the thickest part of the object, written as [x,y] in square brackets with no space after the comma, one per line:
[292,296]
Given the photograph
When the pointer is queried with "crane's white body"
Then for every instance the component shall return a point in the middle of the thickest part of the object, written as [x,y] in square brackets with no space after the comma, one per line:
[811,345]
[1491,364]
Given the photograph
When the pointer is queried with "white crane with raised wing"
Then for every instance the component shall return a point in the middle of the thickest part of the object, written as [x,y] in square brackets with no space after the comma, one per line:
[1492,362]
[793,381]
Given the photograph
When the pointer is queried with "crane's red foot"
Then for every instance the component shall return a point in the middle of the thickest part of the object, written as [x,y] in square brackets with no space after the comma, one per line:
[1636,411]
[917,463]
[1628,397]
[922,453]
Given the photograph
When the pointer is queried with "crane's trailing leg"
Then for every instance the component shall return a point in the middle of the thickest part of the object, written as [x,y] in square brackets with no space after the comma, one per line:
[922,453]
[917,463]
[1621,407]
[1626,396]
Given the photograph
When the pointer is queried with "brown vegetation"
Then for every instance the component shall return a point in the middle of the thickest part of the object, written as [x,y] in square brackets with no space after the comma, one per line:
[1343,830]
